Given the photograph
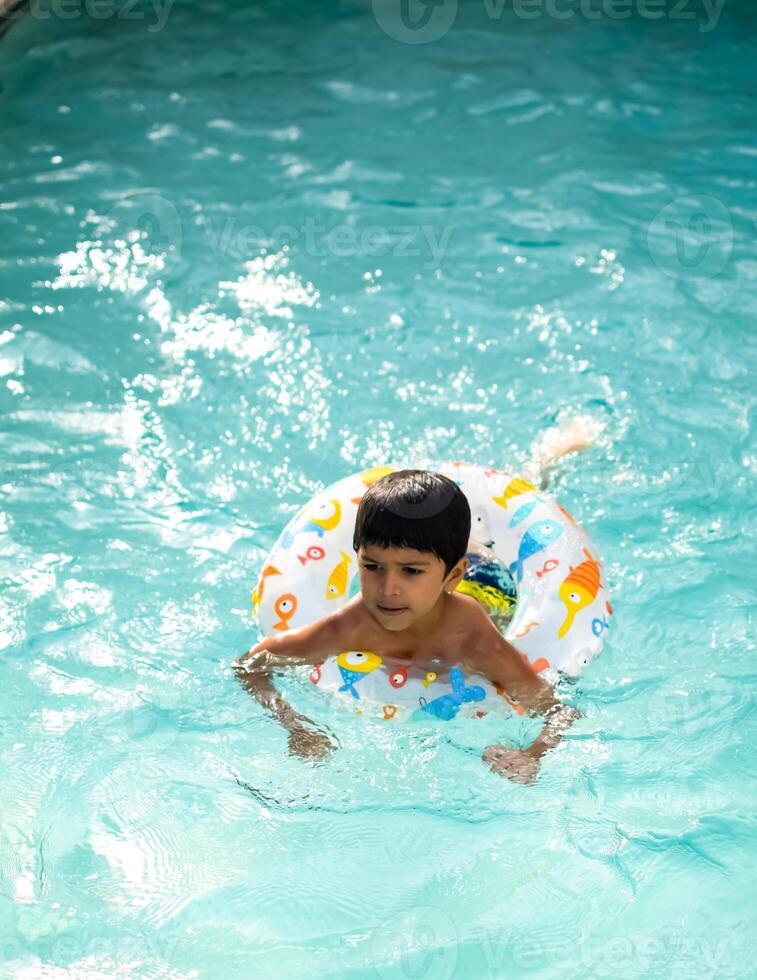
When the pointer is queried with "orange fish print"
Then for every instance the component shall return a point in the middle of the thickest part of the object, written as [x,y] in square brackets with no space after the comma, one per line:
[517,708]
[526,629]
[578,590]
[314,553]
[285,607]
[549,565]
[570,517]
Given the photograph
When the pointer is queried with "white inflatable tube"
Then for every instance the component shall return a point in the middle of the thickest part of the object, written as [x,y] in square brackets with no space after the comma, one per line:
[562,612]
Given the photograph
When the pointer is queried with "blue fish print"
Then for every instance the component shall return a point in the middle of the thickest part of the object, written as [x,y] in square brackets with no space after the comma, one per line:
[350,677]
[287,538]
[447,706]
[524,510]
[536,539]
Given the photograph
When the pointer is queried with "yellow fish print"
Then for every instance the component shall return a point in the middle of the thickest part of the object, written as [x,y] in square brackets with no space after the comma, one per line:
[359,661]
[513,489]
[337,583]
[257,592]
[355,665]
[330,522]
[375,473]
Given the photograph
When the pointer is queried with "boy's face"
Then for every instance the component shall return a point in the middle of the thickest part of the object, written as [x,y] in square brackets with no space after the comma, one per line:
[401,585]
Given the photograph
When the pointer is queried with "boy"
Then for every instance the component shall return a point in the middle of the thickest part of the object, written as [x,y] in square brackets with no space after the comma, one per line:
[411,536]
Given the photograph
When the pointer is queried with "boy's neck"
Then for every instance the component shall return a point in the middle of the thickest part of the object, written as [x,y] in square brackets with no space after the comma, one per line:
[425,624]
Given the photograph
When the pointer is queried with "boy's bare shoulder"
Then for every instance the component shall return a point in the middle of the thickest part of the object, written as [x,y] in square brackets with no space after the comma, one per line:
[468,611]
[467,621]
[331,634]
[353,623]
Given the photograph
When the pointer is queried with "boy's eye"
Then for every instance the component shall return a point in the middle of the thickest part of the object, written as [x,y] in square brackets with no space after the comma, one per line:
[369,567]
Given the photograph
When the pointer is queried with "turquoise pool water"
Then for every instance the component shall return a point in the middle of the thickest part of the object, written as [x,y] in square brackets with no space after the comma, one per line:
[250,250]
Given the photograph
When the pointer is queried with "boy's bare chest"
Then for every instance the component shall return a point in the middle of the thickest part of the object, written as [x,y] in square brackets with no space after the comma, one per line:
[444,643]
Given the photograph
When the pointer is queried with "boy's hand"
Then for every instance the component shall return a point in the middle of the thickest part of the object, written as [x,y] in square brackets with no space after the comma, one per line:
[308,744]
[519,765]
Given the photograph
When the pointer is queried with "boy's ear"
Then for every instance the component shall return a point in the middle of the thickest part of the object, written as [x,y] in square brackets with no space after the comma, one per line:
[456,575]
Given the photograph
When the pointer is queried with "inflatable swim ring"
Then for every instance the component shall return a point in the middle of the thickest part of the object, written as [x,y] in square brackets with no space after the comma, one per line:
[562,609]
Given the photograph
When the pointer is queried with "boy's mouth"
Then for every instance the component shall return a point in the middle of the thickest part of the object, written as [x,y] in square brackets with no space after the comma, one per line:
[391,610]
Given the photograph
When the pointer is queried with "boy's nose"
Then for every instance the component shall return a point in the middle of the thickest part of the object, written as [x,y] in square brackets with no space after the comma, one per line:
[391,586]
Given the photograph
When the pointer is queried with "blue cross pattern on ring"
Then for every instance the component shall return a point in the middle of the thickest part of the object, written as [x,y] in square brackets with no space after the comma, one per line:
[447,706]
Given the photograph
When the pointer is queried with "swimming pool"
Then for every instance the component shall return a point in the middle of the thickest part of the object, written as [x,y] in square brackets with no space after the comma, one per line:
[246,252]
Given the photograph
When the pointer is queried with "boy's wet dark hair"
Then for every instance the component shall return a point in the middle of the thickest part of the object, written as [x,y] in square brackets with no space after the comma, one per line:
[415,509]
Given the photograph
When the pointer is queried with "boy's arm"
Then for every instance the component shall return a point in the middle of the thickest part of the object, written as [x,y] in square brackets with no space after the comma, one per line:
[308,645]
[490,654]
